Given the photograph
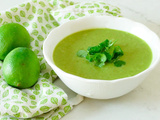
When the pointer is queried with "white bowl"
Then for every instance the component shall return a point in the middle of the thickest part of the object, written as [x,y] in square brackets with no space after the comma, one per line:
[101,89]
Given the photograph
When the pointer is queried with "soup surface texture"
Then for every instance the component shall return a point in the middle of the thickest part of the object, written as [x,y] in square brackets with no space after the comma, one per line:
[137,54]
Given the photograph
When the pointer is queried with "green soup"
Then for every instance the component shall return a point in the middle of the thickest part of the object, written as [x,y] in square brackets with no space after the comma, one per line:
[137,54]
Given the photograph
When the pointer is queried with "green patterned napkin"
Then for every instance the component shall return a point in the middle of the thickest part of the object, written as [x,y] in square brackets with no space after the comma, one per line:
[44,100]
[66,13]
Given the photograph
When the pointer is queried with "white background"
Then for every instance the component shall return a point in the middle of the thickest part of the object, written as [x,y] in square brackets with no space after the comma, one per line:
[143,103]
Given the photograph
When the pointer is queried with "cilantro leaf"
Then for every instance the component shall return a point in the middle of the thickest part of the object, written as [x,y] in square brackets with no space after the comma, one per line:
[93,50]
[103,53]
[108,56]
[100,57]
[82,53]
[117,52]
[119,63]
[99,64]
[109,53]
[90,58]
[104,44]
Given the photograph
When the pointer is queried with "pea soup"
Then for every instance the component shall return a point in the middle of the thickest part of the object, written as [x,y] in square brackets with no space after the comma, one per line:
[137,54]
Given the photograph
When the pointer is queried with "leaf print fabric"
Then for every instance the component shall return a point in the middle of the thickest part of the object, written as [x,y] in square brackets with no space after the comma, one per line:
[44,100]
[64,14]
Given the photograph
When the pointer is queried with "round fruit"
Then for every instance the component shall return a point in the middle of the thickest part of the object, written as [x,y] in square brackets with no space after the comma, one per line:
[12,35]
[21,68]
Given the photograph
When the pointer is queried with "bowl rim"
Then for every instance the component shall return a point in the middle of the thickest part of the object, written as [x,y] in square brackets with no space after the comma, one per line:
[52,64]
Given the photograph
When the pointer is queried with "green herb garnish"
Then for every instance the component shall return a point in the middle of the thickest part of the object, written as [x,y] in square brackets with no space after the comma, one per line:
[119,63]
[103,53]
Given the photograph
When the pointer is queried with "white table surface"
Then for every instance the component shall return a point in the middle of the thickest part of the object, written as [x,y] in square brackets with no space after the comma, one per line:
[143,103]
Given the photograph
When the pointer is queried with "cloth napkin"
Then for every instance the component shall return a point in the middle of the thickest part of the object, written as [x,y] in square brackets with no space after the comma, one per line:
[44,100]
